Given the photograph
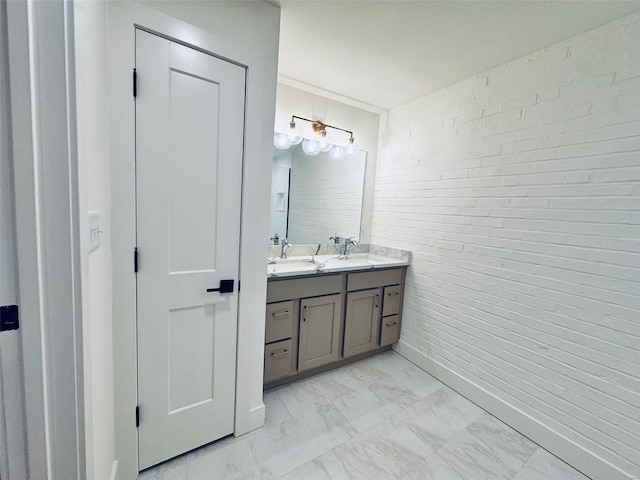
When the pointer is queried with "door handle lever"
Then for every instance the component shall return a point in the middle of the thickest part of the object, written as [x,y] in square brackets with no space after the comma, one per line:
[226,286]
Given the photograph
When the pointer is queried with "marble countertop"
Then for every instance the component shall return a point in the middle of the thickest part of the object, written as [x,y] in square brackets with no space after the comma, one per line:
[319,264]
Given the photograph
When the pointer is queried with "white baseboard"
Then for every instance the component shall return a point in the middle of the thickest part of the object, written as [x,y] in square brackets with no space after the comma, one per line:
[575,455]
[114,471]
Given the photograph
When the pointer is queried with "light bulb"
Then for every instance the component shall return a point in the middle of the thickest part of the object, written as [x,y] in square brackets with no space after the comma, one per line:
[352,147]
[310,147]
[325,141]
[281,141]
[293,132]
[337,152]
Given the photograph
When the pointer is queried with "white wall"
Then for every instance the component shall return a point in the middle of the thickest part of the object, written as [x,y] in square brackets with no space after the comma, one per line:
[94,194]
[292,101]
[518,193]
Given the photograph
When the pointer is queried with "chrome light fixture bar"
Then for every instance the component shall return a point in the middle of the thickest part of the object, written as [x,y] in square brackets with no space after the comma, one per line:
[293,135]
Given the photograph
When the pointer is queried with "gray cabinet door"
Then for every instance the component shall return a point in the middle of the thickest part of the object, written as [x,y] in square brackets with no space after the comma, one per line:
[319,331]
[362,321]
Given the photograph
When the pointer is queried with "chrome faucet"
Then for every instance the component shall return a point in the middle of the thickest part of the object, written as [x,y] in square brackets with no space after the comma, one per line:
[284,248]
[345,247]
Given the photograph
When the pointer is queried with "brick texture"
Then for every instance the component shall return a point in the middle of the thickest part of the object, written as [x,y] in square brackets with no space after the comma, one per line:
[518,192]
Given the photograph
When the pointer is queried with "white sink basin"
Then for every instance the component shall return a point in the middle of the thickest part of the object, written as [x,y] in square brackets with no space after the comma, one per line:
[291,266]
[335,263]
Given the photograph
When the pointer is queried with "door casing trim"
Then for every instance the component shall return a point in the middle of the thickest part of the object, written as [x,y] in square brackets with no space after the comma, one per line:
[260,58]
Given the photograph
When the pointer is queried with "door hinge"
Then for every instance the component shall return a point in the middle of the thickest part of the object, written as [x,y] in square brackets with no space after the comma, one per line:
[137,416]
[135,83]
[9,318]
[135,260]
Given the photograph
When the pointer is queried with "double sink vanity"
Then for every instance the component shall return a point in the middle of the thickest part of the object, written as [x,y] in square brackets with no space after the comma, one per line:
[329,309]
[327,304]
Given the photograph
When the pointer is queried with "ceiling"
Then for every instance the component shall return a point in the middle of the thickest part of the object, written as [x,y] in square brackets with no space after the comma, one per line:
[380,54]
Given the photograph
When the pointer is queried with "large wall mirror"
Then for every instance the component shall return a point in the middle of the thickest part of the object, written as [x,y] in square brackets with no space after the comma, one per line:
[316,197]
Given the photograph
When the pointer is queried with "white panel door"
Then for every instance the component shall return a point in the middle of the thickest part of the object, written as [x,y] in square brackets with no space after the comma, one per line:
[189,147]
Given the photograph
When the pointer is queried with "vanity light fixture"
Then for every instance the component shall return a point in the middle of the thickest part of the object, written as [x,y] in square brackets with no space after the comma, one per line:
[293,135]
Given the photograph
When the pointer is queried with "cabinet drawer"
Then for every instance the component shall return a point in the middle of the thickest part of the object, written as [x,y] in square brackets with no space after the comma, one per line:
[361,281]
[277,360]
[391,300]
[279,321]
[390,330]
[278,290]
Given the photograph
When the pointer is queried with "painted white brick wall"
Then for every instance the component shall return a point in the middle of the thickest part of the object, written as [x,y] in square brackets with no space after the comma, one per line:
[518,192]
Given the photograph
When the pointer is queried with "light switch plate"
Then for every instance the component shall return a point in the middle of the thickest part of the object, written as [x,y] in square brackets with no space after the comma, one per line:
[94,230]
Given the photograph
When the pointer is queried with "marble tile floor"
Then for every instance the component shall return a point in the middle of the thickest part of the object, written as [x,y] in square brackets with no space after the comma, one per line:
[380,418]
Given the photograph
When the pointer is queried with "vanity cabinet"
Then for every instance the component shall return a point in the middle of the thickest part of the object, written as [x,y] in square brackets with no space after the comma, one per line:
[318,322]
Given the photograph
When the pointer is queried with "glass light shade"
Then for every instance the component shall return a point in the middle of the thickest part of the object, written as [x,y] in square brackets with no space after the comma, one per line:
[281,141]
[325,141]
[337,152]
[352,147]
[293,132]
[310,147]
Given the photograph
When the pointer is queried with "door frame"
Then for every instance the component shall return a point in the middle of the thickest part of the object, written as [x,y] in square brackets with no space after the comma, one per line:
[261,63]
[42,83]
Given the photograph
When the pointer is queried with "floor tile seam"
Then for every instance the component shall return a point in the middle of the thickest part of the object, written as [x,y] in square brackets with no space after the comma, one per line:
[283,403]
[405,409]
[395,477]
[540,447]
[520,435]
[424,398]
[524,464]
[452,467]
[456,435]
[362,439]
[488,413]
[329,451]
[384,405]
[530,440]
[461,431]
[423,462]
[253,456]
